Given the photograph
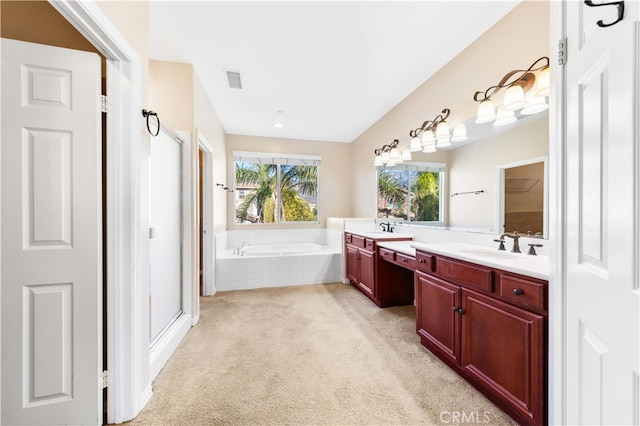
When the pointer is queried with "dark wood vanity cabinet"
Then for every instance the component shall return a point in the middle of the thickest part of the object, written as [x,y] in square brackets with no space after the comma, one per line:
[504,352]
[437,319]
[490,326]
[361,263]
[362,269]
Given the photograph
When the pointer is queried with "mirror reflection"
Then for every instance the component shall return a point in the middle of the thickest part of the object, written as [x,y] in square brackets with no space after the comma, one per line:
[524,199]
[470,169]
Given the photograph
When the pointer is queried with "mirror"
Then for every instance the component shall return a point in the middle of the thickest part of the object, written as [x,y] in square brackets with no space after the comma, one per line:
[474,197]
[523,205]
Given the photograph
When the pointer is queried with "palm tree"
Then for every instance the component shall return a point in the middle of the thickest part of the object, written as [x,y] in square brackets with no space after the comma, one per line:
[424,194]
[295,183]
[392,194]
[425,203]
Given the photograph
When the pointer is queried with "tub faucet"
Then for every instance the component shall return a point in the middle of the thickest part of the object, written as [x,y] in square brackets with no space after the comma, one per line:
[238,250]
[516,240]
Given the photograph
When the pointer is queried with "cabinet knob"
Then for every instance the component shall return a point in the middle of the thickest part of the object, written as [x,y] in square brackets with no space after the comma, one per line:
[420,260]
[461,311]
[518,292]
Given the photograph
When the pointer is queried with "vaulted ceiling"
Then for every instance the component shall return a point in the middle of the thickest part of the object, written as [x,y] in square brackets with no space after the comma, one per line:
[326,70]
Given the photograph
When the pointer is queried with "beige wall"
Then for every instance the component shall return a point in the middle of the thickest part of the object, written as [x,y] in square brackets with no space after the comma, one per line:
[513,43]
[177,95]
[334,185]
[205,120]
[171,93]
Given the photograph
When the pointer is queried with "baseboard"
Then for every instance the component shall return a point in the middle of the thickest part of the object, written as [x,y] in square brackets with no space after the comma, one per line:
[162,351]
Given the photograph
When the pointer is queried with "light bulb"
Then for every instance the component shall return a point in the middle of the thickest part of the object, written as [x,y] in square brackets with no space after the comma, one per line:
[535,104]
[430,147]
[395,155]
[459,133]
[442,131]
[486,112]
[416,144]
[504,117]
[514,98]
[544,82]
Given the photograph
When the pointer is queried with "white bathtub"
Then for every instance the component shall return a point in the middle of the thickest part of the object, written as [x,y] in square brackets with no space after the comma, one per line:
[276,258]
[280,249]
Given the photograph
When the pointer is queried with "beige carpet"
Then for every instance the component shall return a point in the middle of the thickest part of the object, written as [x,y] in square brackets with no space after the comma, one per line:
[309,355]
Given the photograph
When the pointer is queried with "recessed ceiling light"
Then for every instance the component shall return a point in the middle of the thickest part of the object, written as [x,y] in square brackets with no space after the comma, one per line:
[279,124]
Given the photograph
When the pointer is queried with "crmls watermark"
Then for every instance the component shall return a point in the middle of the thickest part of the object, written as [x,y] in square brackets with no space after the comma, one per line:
[464,417]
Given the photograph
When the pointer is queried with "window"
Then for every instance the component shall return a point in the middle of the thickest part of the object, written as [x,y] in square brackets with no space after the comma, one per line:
[276,188]
[411,192]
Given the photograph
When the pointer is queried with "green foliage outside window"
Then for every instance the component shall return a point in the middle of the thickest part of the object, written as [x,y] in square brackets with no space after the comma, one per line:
[419,189]
[275,193]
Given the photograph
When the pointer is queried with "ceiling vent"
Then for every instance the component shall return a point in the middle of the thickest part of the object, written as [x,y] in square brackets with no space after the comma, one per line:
[233,79]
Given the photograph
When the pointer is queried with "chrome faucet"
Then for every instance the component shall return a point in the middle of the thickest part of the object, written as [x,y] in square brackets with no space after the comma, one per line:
[516,240]
[386,227]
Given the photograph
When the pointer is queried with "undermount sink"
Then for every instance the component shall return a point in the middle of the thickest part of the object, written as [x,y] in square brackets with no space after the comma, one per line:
[494,254]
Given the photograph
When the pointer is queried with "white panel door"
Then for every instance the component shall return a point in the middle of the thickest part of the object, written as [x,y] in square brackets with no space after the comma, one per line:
[602,309]
[51,282]
[165,245]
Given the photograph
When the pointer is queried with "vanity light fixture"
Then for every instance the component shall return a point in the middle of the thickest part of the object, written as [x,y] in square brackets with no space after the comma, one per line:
[518,93]
[435,134]
[389,155]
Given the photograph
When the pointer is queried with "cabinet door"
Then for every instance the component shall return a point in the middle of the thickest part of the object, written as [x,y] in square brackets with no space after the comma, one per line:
[367,271]
[503,351]
[437,318]
[352,264]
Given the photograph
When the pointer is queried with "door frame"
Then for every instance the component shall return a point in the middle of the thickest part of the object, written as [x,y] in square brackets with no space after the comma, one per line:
[128,391]
[557,212]
[208,248]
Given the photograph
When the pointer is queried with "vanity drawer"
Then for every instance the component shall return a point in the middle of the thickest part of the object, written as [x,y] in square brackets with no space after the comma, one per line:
[406,261]
[369,244]
[424,261]
[472,276]
[523,292]
[389,255]
[357,240]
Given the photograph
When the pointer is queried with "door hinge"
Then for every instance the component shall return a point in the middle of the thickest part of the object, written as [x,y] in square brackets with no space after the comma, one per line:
[562,51]
[105,104]
[104,379]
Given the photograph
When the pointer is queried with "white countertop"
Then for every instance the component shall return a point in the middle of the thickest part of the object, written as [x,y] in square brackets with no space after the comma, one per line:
[519,263]
[404,247]
[379,235]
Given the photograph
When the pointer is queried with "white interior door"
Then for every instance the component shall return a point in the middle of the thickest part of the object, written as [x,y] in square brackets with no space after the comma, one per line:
[602,247]
[165,246]
[51,255]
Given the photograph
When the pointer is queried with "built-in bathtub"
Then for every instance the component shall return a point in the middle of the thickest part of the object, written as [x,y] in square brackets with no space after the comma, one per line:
[275,258]
[280,249]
